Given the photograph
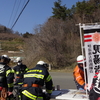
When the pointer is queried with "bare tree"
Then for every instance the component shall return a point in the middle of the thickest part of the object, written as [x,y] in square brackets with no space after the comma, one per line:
[54,42]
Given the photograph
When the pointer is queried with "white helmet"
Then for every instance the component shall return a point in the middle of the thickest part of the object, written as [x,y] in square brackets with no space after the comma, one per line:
[5,59]
[19,59]
[81,59]
[5,56]
[41,62]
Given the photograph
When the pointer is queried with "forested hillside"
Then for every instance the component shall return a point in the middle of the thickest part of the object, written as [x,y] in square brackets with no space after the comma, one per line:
[57,41]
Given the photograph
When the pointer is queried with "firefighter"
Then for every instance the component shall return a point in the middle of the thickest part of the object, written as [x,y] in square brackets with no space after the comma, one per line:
[34,80]
[6,78]
[19,70]
[78,73]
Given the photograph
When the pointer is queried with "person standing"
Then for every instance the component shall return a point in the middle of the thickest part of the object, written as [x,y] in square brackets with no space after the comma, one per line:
[78,73]
[19,70]
[34,80]
[6,78]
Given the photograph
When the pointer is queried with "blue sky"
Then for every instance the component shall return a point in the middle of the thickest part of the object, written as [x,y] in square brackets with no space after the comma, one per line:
[36,12]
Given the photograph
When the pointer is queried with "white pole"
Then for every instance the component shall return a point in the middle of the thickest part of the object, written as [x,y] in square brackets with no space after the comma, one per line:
[82,47]
[49,67]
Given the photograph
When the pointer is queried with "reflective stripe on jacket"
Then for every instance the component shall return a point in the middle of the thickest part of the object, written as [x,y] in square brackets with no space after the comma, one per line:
[7,77]
[39,75]
[30,95]
[19,70]
[79,76]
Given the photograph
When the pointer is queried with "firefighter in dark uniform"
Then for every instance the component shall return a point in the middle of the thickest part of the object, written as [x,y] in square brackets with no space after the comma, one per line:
[34,80]
[19,70]
[6,78]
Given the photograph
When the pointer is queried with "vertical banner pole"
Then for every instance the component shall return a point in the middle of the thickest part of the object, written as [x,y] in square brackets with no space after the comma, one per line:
[82,47]
[81,37]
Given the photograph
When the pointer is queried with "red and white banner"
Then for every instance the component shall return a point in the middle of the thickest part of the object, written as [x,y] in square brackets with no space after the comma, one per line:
[92,50]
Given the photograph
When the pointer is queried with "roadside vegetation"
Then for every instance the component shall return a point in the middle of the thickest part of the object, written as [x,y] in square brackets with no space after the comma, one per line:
[57,41]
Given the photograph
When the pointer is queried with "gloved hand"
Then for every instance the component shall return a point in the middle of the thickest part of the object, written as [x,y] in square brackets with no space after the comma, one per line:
[86,86]
[46,96]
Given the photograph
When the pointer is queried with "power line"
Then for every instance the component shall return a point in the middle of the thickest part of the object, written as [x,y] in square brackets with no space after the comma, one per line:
[12,12]
[16,12]
[20,14]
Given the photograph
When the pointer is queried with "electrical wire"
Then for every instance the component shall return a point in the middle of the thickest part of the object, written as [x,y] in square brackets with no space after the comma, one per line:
[20,14]
[15,4]
[12,12]
[16,10]
[23,4]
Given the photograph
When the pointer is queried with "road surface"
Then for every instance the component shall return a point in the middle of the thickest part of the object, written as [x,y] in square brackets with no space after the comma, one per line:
[65,80]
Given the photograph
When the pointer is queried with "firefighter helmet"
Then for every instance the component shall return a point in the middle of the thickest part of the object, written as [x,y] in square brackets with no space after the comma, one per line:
[5,56]
[19,59]
[42,63]
[80,59]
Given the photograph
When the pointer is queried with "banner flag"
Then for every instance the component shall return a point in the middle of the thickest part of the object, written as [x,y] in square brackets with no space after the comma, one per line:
[92,50]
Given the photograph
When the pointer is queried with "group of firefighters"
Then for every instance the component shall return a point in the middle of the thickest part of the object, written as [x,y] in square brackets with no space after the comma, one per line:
[32,80]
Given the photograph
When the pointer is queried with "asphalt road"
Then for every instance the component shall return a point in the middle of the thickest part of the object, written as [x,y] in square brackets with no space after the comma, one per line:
[65,80]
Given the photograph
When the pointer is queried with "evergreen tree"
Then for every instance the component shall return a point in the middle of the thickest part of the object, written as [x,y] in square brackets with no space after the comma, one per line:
[71,12]
[59,11]
[27,35]
[85,10]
